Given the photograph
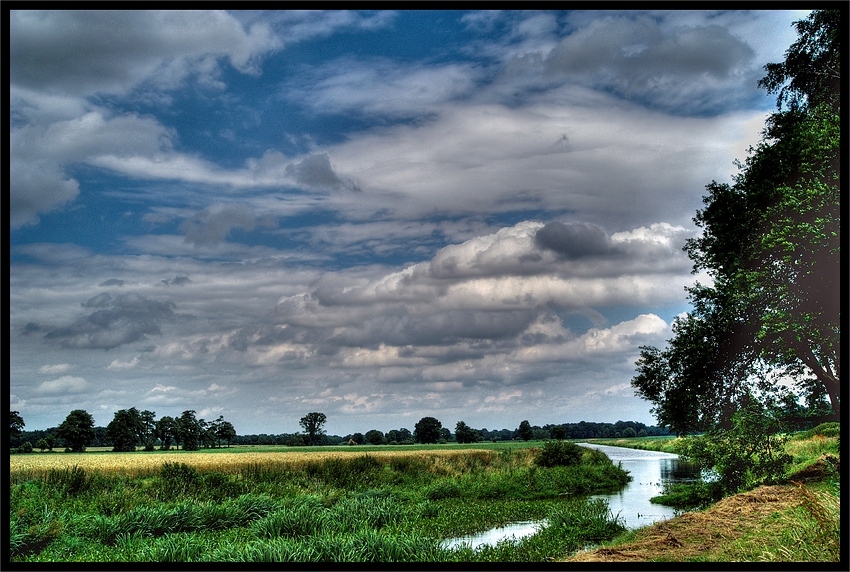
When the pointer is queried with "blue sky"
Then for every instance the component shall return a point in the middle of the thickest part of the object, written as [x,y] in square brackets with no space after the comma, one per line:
[381,216]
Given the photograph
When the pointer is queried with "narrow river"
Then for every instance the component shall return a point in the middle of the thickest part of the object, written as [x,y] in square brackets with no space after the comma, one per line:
[649,471]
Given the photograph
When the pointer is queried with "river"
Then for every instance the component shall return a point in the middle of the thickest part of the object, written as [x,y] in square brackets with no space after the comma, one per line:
[649,471]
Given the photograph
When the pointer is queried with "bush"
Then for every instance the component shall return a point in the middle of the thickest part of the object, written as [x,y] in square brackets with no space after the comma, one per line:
[749,454]
[558,454]
[26,447]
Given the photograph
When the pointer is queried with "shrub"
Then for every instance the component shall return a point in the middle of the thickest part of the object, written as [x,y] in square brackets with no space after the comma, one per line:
[558,454]
[747,455]
[26,447]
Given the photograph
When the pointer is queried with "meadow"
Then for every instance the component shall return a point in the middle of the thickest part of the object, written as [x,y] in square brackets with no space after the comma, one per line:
[341,504]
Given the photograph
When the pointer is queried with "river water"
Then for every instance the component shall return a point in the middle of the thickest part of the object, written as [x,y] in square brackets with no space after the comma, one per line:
[649,471]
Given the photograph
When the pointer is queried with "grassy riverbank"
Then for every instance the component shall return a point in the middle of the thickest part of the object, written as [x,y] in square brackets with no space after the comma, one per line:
[307,506]
[798,521]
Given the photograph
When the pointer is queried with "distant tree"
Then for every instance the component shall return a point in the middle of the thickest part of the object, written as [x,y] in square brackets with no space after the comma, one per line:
[466,434]
[189,430]
[312,424]
[166,430]
[224,431]
[374,437]
[16,425]
[524,431]
[124,429]
[43,444]
[445,435]
[427,430]
[629,433]
[77,430]
[558,432]
[357,438]
[147,429]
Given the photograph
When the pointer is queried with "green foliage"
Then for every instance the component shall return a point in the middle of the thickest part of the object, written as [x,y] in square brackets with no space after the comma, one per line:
[524,430]
[77,430]
[559,454]
[771,244]
[466,434]
[312,424]
[690,496]
[828,429]
[427,430]
[749,454]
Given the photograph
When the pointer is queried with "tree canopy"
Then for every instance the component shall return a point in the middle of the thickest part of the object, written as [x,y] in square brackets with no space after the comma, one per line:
[771,244]
[427,430]
[312,424]
[77,430]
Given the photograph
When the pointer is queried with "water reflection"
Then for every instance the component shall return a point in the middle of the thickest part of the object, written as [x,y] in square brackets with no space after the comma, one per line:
[493,536]
[649,470]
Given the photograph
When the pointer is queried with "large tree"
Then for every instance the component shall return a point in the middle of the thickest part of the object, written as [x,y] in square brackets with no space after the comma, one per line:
[189,430]
[466,434]
[312,424]
[771,244]
[427,430]
[77,430]
[124,429]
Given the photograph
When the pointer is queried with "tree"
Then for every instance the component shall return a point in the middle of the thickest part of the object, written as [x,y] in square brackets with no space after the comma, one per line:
[147,429]
[77,430]
[312,424]
[224,431]
[427,430]
[166,430]
[16,425]
[524,430]
[771,244]
[189,430]
[559,432]
[374,437]
[466,434]
[124,429]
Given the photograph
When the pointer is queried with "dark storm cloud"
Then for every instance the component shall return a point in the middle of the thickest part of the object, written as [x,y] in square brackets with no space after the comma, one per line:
[574,240]
[115,321]
[113,282]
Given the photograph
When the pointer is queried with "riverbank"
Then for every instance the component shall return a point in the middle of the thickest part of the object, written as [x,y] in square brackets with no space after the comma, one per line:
[780,523]
[794,522]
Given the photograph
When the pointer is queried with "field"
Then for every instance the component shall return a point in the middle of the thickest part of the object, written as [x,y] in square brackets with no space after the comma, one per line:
[393,504]
[279,504]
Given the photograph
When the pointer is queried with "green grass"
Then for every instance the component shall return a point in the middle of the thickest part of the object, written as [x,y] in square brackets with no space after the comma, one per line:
[357,508]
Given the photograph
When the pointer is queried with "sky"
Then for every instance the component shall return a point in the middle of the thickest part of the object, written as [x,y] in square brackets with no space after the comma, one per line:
[380,215]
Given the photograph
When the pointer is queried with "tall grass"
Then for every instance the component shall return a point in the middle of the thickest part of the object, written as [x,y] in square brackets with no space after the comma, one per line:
[364,507]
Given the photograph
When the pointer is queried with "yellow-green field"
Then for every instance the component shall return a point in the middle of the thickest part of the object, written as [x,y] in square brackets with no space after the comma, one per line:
[223,460]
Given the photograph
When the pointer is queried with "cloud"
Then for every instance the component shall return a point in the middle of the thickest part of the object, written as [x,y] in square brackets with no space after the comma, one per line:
[84,52]
[54,369]
[115,321]
[213,225]
[118,365]
[64,385]
[315,172]
[574,240]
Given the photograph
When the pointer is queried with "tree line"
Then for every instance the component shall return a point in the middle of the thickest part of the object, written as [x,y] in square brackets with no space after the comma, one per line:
[131,429]
[128,430]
